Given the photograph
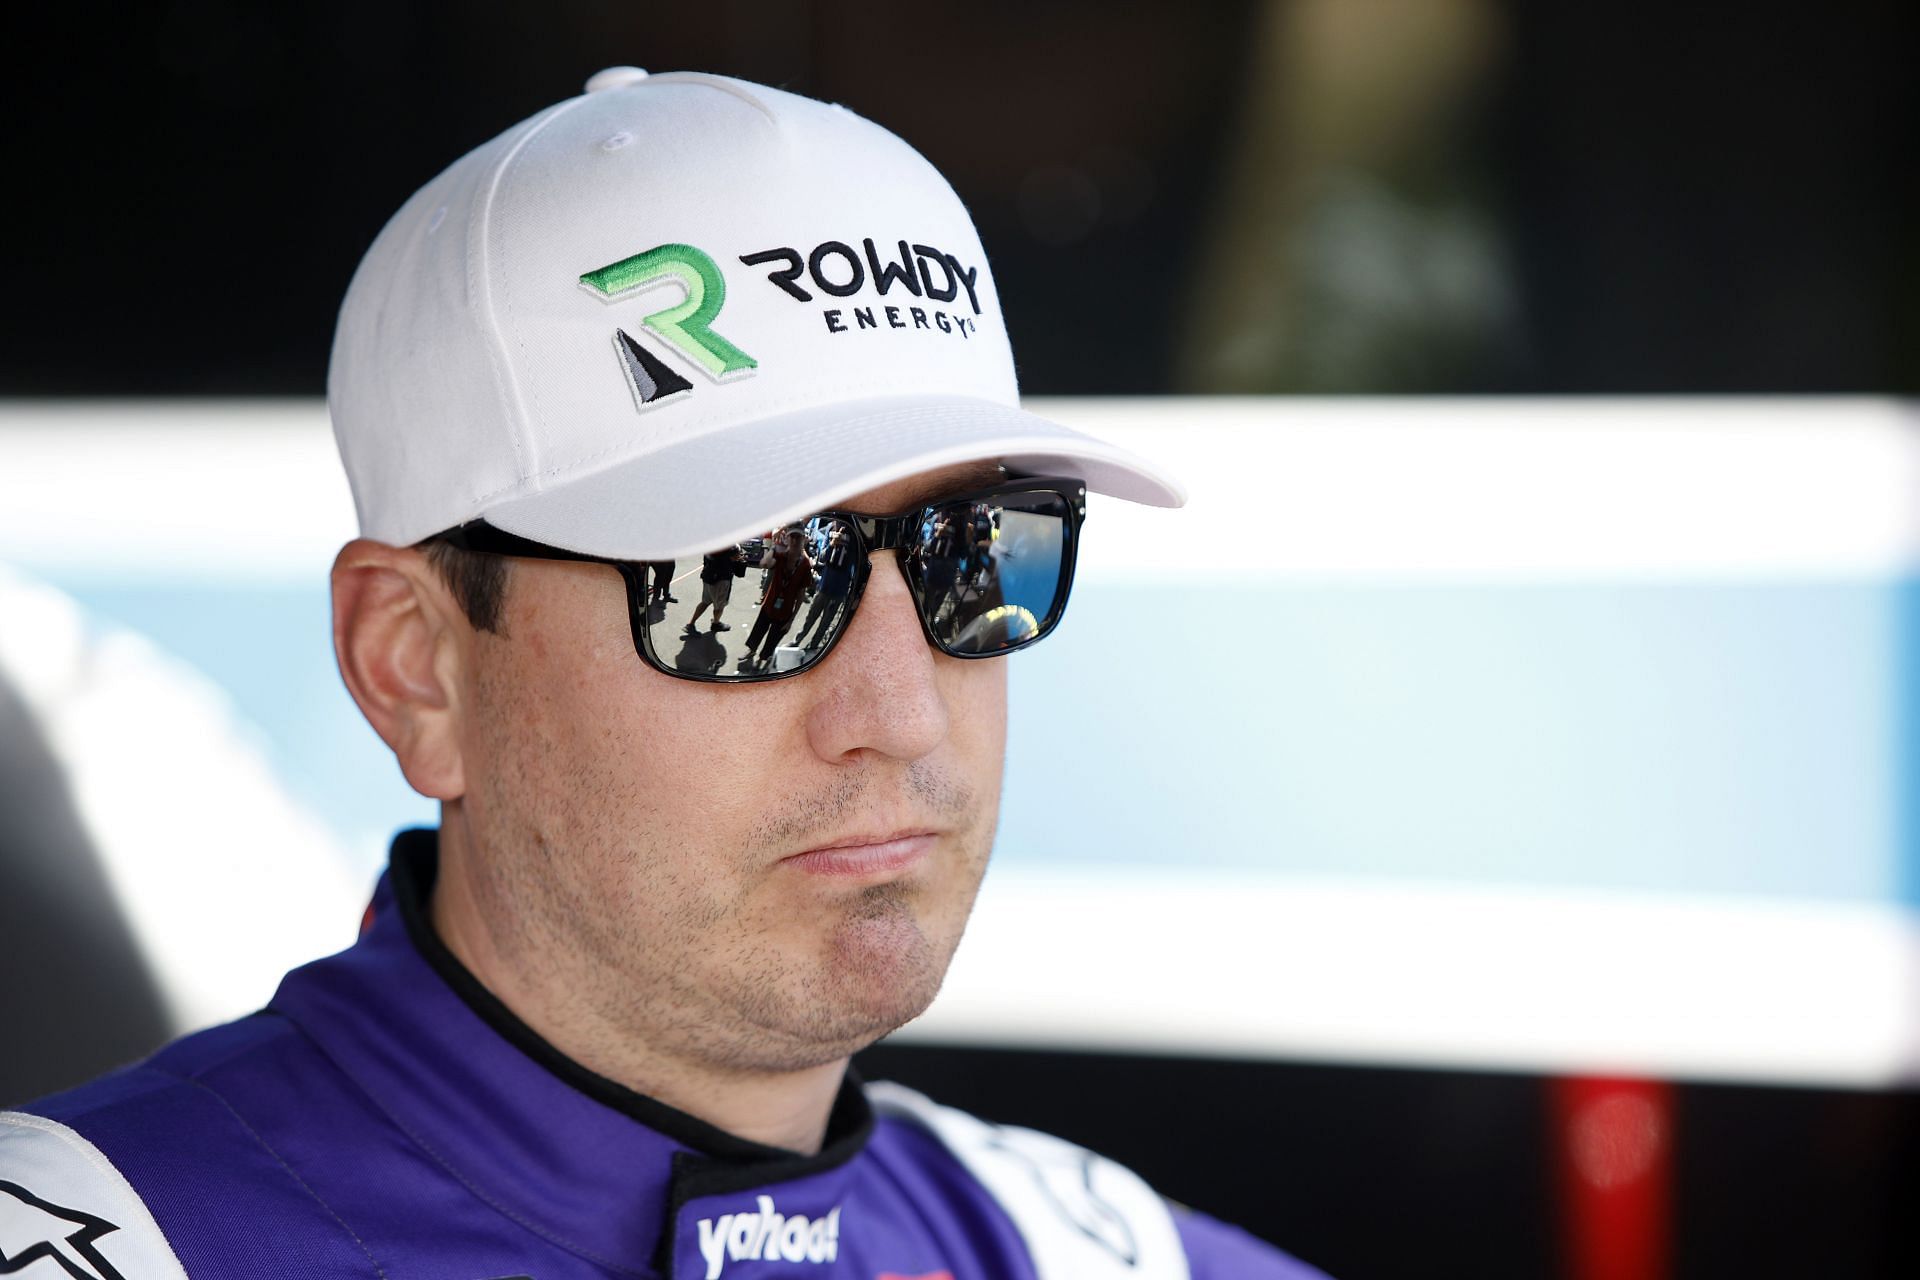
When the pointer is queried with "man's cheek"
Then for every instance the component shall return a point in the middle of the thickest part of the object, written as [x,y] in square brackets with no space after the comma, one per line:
[977,696]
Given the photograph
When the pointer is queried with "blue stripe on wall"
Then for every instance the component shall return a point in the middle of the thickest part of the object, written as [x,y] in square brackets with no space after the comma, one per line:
[1715,737]
[271,649]
[1906,755]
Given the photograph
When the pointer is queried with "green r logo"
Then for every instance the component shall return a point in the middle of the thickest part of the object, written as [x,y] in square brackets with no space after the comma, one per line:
[687,326]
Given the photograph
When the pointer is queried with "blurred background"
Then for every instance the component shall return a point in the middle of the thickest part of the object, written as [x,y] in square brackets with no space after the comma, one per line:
[1478,837]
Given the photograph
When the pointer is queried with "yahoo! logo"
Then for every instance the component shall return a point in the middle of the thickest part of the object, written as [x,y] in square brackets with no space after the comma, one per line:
[768,1235]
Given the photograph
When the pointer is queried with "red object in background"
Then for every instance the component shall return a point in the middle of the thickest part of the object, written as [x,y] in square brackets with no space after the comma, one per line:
[1615,1161]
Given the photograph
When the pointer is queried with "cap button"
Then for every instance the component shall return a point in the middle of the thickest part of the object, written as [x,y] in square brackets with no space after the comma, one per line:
[615,78]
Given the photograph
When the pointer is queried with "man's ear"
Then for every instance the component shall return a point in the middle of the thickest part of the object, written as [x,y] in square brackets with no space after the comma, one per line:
[401,639]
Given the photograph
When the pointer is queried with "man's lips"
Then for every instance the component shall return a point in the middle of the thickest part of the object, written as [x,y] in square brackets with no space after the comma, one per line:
[865,855]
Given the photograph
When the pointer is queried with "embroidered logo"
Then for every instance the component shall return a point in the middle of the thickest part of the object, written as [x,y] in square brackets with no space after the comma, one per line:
[32,1228]
[768,1236]
[921,273]
[1065,1177]
[686,326]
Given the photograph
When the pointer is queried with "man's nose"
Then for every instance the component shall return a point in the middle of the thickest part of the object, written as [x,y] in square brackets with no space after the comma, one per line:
[879,688]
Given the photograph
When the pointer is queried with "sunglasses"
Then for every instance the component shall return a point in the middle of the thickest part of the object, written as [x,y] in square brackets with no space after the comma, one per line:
[988,572]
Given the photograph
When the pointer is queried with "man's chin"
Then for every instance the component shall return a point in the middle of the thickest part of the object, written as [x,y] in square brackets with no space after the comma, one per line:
[877,967]
[881,975]
[885,969]
[836,1035]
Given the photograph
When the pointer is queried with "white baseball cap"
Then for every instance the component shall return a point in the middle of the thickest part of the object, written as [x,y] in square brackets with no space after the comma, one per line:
[674,312]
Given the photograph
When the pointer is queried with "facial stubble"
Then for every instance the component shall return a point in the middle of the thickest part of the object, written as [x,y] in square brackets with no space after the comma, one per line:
[688,952]
[882,958]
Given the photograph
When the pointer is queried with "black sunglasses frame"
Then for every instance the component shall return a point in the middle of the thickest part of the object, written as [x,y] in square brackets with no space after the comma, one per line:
[871,533]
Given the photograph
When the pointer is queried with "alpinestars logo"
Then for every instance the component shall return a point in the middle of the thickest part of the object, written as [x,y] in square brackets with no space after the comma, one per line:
[768,1236]
[32,1229]
[686,327]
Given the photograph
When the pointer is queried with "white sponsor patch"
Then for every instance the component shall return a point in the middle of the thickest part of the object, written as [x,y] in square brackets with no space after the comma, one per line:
[64,1207]
[1082,1216]
[768,1235]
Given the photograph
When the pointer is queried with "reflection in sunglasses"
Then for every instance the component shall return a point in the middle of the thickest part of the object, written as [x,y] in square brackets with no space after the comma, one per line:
[986,575]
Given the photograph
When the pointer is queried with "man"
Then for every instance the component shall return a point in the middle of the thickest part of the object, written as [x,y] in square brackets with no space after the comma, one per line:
[940,554]
[830,590]
[662,593]
[789,577]
[718,569]
[599,1023]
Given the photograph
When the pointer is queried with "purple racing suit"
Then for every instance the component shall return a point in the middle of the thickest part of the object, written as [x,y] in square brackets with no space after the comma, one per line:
[386,1117]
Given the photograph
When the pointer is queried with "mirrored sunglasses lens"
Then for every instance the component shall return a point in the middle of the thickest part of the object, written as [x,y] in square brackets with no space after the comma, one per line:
[767,606]
[991,572]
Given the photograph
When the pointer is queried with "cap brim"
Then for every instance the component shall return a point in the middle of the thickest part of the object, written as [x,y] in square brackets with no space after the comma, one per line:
[694,495]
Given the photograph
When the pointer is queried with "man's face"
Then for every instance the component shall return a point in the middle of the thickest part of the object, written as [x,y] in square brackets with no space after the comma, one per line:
[753,877]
